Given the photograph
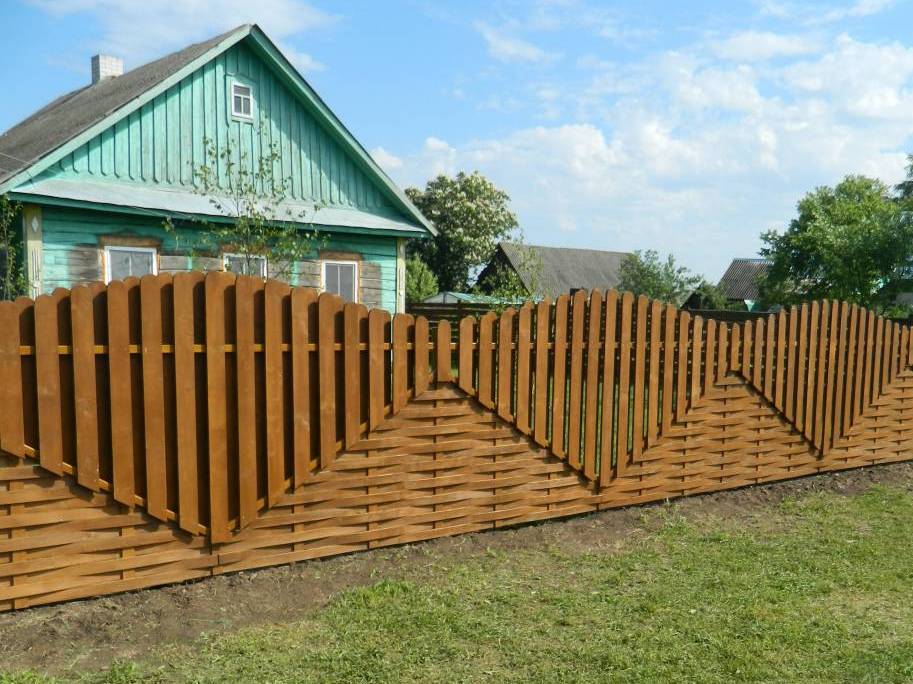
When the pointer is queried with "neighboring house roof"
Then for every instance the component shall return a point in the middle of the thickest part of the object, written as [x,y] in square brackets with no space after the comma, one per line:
[450,297]
[42,139]
[551,271]
[740,281]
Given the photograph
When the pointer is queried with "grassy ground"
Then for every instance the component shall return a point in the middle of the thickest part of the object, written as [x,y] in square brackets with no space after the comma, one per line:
[818,588]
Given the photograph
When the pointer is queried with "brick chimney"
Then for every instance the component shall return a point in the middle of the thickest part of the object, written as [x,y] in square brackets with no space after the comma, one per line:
[105,67]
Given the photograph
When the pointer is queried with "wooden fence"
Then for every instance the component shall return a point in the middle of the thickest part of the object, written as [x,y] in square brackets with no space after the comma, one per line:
[164,429]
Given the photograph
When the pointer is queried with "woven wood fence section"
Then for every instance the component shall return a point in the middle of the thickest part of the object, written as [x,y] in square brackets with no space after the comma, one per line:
[164,429]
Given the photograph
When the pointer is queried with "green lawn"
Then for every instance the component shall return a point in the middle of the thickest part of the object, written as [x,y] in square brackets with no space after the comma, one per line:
[817,589]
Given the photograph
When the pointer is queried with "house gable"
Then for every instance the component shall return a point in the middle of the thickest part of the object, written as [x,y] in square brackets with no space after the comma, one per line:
[146,157]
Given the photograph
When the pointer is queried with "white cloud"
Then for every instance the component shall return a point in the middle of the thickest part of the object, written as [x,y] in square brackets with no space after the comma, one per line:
[754,46]
[507,48]
[388,162]
[822,13]
[141,30]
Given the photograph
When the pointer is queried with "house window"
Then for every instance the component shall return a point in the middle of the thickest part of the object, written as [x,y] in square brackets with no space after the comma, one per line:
[244,264]
[123,262]
[242,101]
[341,278]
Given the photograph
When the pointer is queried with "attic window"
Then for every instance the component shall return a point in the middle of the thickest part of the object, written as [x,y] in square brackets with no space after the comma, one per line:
[242,101]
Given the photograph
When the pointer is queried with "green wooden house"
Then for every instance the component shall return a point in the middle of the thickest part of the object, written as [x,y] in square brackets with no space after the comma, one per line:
[99,169]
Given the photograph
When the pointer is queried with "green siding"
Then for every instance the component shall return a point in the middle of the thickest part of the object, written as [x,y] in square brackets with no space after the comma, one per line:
[161,144]
[69,232]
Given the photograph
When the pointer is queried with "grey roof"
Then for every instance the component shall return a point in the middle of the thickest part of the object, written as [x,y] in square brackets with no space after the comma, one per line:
[562,269]
[69,115]
[740,281]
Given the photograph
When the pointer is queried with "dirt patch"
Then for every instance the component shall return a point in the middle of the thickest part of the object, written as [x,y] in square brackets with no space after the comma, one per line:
[91,633]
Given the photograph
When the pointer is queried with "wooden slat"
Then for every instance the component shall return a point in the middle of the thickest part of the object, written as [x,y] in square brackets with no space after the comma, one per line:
[590,418]
[543,327]
[748,351]
[485,363]
[758,366]
[681,381]
[697,373]
[877,354]
[466,341]
[246,288]
[640,378]
[422,356]
[710,355]
[810,385]
[780,381]
[303,301]
[559,377]
[801,384]
[351,362]
[869,358]
[722,351]
[86,398]
[186,313]
[855,349]
[275,299]
[653,388]
[609,429]
[623,441]
[735,347]
[769,358]
[47,366]
[668,366]
[839,382]
[328,306]
[443,354]
[789,409]
[12,426]
[524,333]
[402,326]
[378,322]
[575,380]
[216,288]
[505,363]
[820,383]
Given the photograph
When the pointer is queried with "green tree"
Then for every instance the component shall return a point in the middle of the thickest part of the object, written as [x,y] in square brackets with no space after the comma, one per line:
[471,216]
[503,281]
[644,273]
[852,242]
[12,277]
[258,222]
[905,187]
[421,283]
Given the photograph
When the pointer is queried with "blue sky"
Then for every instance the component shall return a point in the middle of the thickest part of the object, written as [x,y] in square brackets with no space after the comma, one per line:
[682,127]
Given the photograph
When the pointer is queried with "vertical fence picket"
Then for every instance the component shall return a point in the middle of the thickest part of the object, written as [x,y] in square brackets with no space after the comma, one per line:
[869,362]
[186,286]
[623,435]
[801,361]
[697,338]
[543,321]
[834,427]
[505,363]
[422,355]
[852,370]
[653,386]
[609,428]
[591,422]
[640,352]
[813,331]
[47,368]
[154,393]
[121,392]
[275,297]
[668,366]
[303,302]
[575,379]
[216,290]
[402,326]
[559,376]
[710,357]
[524,331]
[485,364]
[758,348]
[442,352]
[877,353]
[12,425]
[378,321]
[328,306]
[722,351]
[246,288]
[789,401]
[748,351]
[351,363]
[85,390]
[779,389]
[681,381]
[821,399]
[769,343]
[465,355]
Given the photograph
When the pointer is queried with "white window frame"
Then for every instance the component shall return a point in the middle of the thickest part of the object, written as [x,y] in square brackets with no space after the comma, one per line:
[128,248]
[231,94]
[339,262]
[227,255]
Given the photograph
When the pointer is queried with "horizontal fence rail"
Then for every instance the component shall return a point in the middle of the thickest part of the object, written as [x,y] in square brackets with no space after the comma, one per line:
[164,428]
